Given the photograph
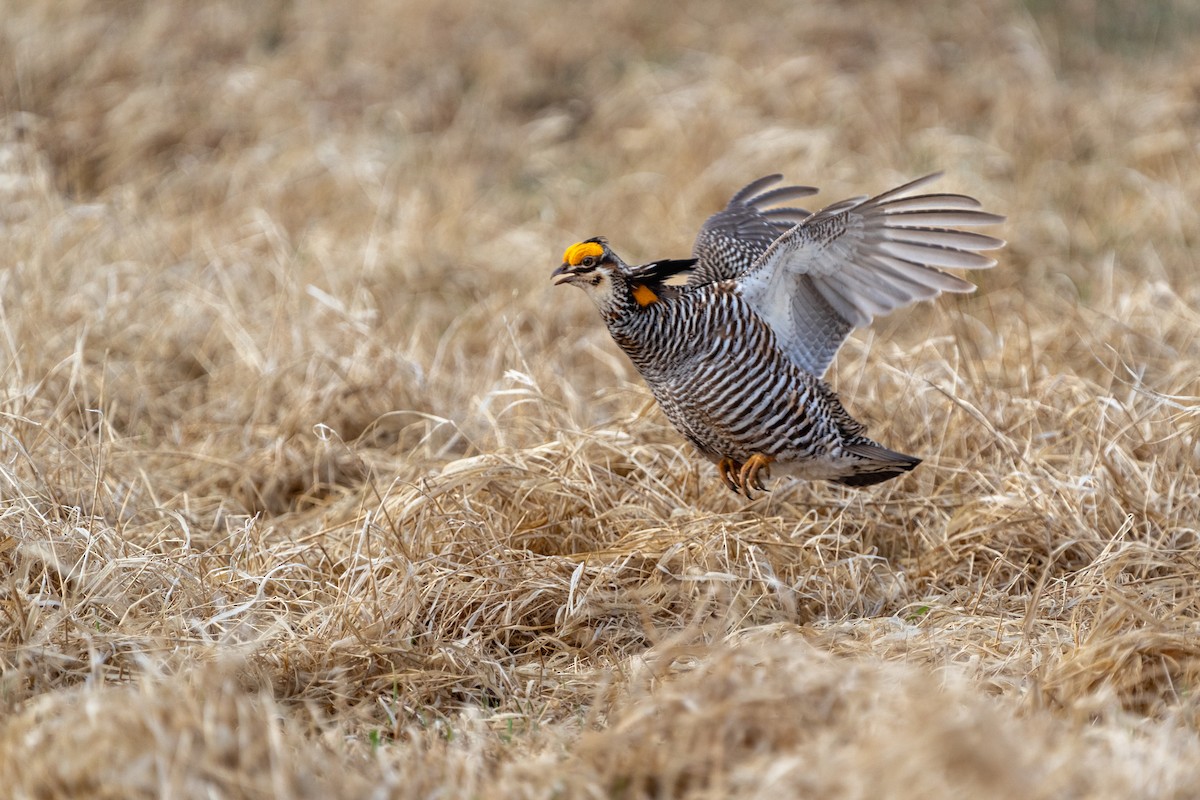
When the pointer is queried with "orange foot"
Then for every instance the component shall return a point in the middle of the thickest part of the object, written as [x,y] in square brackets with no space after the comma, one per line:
[748,477]
[729,471]
[741,478]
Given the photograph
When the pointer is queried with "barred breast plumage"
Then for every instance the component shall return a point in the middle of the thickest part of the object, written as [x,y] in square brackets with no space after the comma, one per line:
[733,341]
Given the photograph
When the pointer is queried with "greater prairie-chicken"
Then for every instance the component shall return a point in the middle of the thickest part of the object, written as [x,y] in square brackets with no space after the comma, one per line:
[734,341]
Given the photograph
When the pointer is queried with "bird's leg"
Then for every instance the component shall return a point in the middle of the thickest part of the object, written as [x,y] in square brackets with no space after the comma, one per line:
[749,476]
[729,470]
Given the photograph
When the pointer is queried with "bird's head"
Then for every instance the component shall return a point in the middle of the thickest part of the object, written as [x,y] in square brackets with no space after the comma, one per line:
[615,287]
[596,269]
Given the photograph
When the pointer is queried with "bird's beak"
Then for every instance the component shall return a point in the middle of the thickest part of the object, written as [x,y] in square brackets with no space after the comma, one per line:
[563,274]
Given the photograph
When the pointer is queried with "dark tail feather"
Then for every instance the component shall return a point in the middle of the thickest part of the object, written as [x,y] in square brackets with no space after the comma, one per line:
[878,464]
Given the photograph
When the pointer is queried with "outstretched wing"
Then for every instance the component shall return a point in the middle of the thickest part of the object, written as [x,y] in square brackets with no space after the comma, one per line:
[731,240]
[860,258]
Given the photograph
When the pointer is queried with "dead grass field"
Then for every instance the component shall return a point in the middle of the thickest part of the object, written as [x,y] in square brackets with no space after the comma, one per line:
[312,485]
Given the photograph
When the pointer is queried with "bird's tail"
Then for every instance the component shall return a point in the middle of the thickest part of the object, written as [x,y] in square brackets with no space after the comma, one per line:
[873,463]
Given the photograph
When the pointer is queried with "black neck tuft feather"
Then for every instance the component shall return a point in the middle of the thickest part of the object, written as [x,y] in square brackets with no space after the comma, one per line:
[654,273]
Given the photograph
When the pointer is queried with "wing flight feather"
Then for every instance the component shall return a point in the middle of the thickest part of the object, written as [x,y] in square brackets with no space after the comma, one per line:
[858,259]
[730,240]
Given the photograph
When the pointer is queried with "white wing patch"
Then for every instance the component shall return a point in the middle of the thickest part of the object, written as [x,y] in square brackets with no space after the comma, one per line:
[862,258]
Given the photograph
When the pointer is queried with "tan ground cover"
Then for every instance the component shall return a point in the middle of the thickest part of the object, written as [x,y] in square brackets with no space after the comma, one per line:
[312,485]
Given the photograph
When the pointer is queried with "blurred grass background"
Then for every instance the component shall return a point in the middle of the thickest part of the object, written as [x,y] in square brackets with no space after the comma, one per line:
[312,485]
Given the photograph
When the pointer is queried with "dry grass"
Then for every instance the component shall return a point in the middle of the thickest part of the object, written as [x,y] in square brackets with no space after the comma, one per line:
[313,486]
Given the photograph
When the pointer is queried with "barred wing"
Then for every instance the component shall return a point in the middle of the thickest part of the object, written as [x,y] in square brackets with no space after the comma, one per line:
[731,240]
[846,264]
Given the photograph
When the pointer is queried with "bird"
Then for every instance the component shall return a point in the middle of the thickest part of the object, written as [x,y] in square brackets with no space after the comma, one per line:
[734,342]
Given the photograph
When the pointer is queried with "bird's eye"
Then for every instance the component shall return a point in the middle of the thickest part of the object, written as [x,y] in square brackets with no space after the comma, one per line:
[589,261]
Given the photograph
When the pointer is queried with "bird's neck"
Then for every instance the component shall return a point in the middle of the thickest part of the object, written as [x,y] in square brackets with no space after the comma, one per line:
[624,304]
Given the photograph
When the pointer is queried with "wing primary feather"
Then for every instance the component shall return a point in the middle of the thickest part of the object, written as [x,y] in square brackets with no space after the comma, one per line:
[753,188]
[943,237]
[932,201]
[907,219]
[860,258]
[936,256]
[840,207]
[782,193]
[919,274]
[905,188]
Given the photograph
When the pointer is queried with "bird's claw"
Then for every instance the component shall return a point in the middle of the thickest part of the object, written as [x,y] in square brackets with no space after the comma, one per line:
[753,471]
[730,470]
[741,478]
